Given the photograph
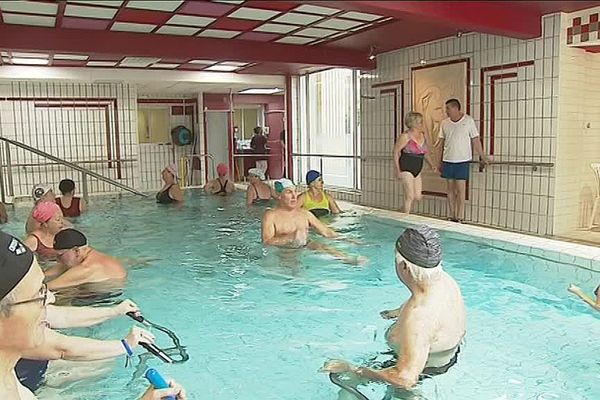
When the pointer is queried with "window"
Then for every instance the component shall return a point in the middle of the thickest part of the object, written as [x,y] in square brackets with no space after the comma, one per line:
[154,125]
[327,135]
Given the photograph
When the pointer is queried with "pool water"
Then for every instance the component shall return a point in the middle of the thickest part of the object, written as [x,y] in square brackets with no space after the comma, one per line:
[258,323]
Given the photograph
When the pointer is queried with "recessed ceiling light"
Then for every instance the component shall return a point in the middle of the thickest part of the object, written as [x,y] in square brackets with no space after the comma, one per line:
[261,91]
[30,61]
[222,68]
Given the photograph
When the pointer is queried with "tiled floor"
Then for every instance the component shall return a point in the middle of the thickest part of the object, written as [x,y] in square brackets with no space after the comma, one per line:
[583,236]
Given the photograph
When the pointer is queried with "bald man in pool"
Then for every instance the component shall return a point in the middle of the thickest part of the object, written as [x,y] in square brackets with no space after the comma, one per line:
[287,225]
[430,325]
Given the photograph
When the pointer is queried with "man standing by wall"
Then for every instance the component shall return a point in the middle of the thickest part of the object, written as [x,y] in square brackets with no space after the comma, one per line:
[458,138]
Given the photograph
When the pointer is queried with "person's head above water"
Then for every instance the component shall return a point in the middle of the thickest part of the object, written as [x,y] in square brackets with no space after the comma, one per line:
[314,179]
[23,297]
[70,243]
[418,255]
[287,193]
[256,173]
[42,192]
[169,174]
[222,170]
[66,186]
[48,214]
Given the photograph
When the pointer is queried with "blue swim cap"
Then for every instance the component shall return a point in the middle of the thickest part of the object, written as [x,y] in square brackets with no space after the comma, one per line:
[312,176]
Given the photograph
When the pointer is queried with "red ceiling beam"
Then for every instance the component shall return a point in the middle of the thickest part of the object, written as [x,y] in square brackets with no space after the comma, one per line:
[494,17]
[25,38]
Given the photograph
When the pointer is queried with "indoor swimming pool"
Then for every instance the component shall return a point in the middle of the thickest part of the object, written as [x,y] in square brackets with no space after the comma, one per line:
[258,323]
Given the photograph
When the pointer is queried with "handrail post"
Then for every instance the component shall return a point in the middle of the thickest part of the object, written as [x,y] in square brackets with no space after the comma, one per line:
[11,189]
[2,193]
[84,186]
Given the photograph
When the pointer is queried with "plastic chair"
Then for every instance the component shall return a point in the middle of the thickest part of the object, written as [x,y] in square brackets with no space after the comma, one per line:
[595,209]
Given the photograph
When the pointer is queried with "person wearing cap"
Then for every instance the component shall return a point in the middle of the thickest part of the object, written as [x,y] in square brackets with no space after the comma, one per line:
[287,225]
[51,221]
[221,186]
[429,326]
[70,205]
[83,263]
[40,193]
[170,192]
[23,325]
[316,199]
[258,192]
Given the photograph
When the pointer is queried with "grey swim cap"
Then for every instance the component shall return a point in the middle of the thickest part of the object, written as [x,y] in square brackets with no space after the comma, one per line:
[420,246]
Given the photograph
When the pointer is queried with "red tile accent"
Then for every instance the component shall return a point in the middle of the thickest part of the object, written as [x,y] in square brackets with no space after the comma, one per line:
[205,8]
[273,5]
[259,36]
[585,28]
[235,24]
[594,17]
[85,23]
[577,21]
[142,16]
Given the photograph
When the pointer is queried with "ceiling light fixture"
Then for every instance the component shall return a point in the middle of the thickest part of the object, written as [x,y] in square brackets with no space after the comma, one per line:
[372,53]
[260,91]
[30,61]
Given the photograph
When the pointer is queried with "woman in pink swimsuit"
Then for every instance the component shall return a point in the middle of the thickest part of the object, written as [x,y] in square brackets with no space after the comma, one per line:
[409,153]
[41,240]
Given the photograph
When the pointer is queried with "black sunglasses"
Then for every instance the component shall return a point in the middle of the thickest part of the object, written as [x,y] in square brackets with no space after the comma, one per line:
[43,296]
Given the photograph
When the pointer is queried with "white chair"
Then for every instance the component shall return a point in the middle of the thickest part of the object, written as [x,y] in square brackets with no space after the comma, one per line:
[596,208]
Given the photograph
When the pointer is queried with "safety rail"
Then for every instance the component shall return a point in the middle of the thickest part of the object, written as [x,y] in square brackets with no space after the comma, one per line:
[534,165]
[84,171]
[186,159]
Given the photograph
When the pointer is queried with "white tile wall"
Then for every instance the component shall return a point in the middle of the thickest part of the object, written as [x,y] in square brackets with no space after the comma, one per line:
[511,197]
[579,139]
[74,134]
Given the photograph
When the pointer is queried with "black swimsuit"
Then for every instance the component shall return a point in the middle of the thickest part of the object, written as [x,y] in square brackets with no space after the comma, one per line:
[163,196]
[258,200]
[223,190]
[412,156]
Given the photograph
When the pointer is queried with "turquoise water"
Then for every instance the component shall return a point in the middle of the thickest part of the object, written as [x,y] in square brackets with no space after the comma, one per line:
[257,327]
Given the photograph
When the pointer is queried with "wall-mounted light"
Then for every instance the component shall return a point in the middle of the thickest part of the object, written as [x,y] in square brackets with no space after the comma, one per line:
[423,61]
[372,53]
[459,34]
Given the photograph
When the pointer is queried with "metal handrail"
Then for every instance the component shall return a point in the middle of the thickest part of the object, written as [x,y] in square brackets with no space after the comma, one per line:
[208,156]
[325,156]
[492,162]
[84,171]
[121,160]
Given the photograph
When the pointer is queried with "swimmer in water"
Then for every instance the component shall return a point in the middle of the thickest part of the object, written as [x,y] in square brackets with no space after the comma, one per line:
[258,192]
[316,199]
[51,221]
[287,225]
[220,186]
[430,325]
[81,263]
[23,326]
[577,291]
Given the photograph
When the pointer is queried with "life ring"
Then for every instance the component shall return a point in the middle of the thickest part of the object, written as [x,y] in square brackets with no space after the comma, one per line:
[181,135]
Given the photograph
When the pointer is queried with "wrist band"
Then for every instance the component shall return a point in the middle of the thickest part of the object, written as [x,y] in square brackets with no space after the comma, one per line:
[127,348]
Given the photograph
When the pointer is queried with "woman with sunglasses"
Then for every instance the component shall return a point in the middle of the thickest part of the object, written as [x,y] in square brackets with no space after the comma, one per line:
[316,199]
[23,318]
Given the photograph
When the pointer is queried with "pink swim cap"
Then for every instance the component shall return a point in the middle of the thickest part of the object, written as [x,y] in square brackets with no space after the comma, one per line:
[44,211]
[222,169]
